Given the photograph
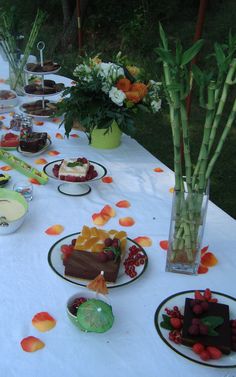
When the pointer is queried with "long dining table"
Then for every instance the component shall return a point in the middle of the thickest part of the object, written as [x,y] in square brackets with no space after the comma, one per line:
[28,284]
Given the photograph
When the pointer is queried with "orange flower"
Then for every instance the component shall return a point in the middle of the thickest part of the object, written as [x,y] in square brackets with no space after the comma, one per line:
[140,88]
[124,85]
[133,96]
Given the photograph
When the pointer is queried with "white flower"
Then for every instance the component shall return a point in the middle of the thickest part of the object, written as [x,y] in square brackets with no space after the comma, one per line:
[83,71]
[156,105]
[110,71]
[117,96]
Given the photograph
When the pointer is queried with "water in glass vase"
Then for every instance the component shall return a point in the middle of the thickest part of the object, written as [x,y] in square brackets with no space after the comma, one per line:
[186,232]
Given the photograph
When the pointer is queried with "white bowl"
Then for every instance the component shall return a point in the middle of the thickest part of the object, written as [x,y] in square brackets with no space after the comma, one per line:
[8,104]
[10,226]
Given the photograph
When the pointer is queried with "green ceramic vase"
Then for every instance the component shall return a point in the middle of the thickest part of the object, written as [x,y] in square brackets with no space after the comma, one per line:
[106,140]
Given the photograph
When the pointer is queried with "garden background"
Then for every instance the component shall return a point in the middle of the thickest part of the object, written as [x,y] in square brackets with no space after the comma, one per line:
[110,26]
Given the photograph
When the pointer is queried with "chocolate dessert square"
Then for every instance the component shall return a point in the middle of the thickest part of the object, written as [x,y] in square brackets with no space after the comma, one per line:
[34,142]
[222,340]
[86,265]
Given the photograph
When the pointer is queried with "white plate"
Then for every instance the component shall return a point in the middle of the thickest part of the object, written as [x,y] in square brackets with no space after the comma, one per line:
[31,154]
[55,262]
[41,73]
[42,117]
[178,299]
[44,95]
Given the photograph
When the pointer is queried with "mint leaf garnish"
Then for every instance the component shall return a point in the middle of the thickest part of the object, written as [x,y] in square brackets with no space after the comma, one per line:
[73,164]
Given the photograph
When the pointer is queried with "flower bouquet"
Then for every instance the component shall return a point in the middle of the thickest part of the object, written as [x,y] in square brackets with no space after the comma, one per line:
[105,93]
[192,178]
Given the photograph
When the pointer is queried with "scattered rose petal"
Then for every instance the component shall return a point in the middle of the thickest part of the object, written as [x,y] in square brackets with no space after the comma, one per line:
[12,113]
[143,241]
[59,136]
[108,210]
[107,179]
[43,321]
[2,117]
[74,135]
[39,123]
[202,269]
[53,153]
[204,249]
[126,221]
[6,168]
[54,230]
[209,259]
[164,244]
[158,170]
[31,344]
[56,120]
[2,81]
[99,219]
[171,190]
[34,181]
[40,161]
[123,204]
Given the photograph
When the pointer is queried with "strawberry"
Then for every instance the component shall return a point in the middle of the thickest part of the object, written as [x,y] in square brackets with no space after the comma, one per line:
[198,296]
[176,323]
[198,348]
[205,355]
[207,294]
[214,352]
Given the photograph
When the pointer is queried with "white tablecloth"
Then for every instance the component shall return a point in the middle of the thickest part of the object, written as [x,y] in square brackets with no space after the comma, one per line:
[132,347]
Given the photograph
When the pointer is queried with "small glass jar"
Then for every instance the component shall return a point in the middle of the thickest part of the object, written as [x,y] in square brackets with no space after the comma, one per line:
[24,188]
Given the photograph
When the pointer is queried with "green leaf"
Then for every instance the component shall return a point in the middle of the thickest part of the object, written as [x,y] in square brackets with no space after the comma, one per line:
[189,54]
[166,325]
[165,56]
[212,321]
[73,164]
[220,55]
[163,36]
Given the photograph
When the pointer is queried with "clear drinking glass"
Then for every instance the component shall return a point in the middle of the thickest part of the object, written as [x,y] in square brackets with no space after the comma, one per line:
[24,188]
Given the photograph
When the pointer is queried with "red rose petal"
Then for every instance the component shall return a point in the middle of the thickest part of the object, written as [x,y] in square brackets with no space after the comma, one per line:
[43,321]
[164,244]
[31,344]
[107,180]
[123,204]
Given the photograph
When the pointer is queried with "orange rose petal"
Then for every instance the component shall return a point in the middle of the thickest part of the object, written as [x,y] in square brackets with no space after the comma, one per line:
[43,321]
[100,219]
[59,136]
[108,210]
[158,170]
[171,190]
[107,180]
[143,241]
[53,153]
[164,244]
[204,250]
[209,260]
[54,230]
[126,221]
[39,123]
[31,344]
[74,135]
[6,168]
[40,161]
[2,81]
[56,120]
[12,113]
[202,269]
[34,181]
[123,204]
[2,117]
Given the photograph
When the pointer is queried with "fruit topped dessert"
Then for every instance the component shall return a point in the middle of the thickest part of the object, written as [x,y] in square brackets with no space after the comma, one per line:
[93,251]
[48,66]
[75,170]
[50,87]
[9,140]
[33,142]
[204,325]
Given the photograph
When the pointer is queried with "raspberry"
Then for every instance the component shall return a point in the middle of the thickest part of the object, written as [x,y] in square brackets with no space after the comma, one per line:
[204,355]
[193,330]
[214,353]
[207,294]
[196,321]
[67,249]
[197,309]
[176,323]
[203,329]
[198,348]
[108,242]
[204,306]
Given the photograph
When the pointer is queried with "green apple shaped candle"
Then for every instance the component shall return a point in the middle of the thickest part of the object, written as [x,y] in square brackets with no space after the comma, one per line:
[95,316]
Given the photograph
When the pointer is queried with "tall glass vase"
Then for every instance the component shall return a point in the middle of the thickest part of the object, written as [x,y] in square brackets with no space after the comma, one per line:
[186,232]
[17,81]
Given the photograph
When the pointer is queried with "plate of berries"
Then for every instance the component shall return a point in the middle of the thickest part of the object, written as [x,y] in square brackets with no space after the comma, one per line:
[80,266]
[200,326]
[74,173]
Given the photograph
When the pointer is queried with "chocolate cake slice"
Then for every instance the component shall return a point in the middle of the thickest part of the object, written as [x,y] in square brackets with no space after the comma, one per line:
[86,265]
[222,341]
[34,142]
